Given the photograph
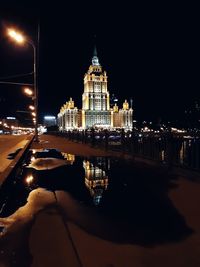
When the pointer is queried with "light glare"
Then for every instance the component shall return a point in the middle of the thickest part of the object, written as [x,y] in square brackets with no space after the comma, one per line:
[18,37]
[29,179]
[28,91]
[49,117]
[31,107]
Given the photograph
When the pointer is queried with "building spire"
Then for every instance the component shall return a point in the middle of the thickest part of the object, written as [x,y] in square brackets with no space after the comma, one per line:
[95,51]
[95,60]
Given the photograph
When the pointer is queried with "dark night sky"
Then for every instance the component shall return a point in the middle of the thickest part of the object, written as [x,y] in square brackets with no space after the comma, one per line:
[150,53]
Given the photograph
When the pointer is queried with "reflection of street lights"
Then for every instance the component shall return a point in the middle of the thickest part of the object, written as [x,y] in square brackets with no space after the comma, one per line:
[20,39]
[29,179]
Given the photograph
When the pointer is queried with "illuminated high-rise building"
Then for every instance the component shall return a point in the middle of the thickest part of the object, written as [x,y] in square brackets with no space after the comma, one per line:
[95,99]
[98,111]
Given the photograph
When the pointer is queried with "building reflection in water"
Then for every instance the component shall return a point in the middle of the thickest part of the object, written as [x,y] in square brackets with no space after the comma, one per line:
[96,179]
[70,158]
[95,171]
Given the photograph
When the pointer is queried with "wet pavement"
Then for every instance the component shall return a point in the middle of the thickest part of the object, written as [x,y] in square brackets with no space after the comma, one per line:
[108,198]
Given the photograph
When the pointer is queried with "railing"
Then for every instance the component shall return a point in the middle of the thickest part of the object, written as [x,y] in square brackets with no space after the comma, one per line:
[166,148]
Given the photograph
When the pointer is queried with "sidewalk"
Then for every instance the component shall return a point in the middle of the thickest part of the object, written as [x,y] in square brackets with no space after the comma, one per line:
[94,251]
[79,149]
[54,229]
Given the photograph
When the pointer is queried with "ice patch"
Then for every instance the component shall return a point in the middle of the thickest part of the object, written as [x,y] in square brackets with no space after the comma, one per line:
[47,163]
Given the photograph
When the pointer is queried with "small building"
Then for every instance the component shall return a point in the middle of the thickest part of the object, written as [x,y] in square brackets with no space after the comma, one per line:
[126,116]
[68,117]
[49,121]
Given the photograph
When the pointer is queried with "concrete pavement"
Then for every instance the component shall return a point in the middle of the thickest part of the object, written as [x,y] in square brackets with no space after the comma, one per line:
[58,236]
[79,149]
[94,251]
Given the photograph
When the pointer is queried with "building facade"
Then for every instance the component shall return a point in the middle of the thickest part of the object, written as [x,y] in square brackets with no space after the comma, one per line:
[96,111]
[95,99]
[68,116]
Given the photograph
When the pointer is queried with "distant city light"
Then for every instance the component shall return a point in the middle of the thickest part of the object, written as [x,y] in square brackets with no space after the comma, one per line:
[49,117]
[42,129]
[177,130]
[10,118]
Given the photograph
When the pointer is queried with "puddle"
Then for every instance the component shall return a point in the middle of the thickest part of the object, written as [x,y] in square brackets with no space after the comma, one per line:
[107,197]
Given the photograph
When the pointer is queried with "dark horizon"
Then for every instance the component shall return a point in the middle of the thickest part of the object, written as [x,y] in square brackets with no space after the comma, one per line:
[150,54]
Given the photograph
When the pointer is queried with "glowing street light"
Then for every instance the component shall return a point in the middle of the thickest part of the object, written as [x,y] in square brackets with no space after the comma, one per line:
[17,36]
[28,91]
[20,39]
[31,107]
[33,114]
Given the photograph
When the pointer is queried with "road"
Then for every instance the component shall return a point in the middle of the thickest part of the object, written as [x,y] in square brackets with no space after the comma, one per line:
[9,144]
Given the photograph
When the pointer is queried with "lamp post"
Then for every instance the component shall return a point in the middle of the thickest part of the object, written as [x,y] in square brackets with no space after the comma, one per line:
[20,39]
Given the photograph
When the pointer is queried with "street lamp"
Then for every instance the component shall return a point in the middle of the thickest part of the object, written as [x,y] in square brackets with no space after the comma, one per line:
[31,107]
[19,38]
[28,91]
